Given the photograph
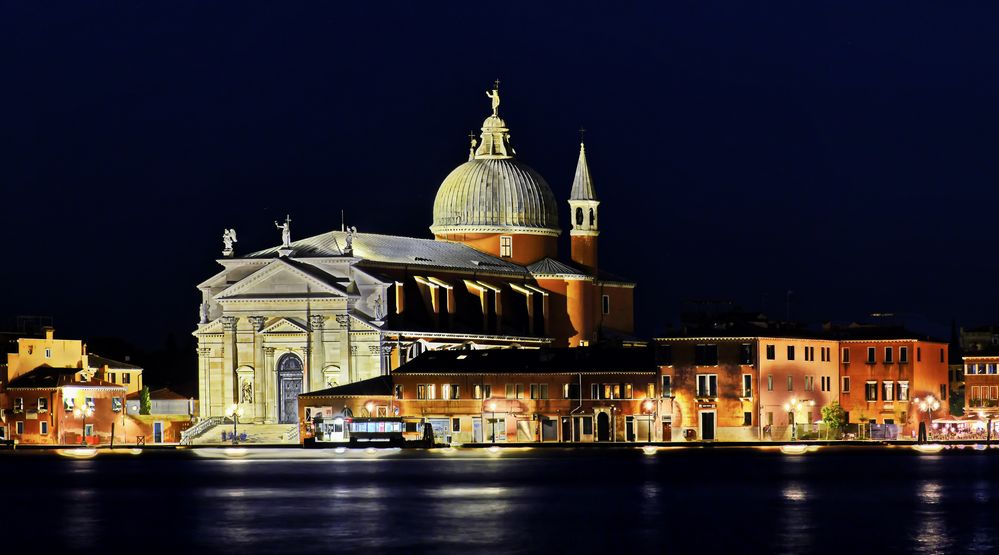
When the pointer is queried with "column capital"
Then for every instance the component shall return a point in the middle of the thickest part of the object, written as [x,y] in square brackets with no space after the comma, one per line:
[269,351]
[317,322]
[257,322]
[229,323]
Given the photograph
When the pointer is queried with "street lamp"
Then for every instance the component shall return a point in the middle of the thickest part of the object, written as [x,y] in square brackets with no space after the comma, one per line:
[234,412]
[988,430]
[792,408]
[492,419]
[84,412]
[370,407]
[927,404]
[647,405]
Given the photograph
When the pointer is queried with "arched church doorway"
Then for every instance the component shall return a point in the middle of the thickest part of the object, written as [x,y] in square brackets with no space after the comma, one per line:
[603,427]
[289,371]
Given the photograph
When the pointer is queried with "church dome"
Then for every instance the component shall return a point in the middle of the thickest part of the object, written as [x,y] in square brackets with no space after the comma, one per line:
[493,192]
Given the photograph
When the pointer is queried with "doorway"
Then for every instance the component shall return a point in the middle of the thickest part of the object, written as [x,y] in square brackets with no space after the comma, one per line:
[289,387]
[708,425]
[603,427]
[157,432]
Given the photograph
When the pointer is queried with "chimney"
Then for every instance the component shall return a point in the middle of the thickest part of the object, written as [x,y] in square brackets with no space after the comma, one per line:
[49,333]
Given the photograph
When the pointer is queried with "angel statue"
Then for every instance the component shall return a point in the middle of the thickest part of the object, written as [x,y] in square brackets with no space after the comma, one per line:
[228,238]
[285,231]
[351,231]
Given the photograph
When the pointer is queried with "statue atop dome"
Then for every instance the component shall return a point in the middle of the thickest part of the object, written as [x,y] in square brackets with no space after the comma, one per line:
[494,96]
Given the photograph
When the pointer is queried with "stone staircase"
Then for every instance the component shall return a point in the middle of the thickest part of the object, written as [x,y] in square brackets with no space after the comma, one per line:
[259,434]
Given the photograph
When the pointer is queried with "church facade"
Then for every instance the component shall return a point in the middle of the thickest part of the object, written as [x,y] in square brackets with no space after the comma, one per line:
[345,306]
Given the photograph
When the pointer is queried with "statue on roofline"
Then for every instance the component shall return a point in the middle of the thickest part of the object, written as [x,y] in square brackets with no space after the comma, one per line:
[285,231]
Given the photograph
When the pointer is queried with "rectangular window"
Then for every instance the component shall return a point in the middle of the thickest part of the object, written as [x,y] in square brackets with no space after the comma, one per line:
[770,382]
[650,391]
[846,384]
[594,391]
[903,391]
[747,385]
[706,355]
[771,352]
[790,383]
[432,391]
[112,377]
[745,353]
[943,392]
[476,392]
[871,354]
[43,427]
[664,355]
[535,392]
[88,430]
[707,385]
[19,404]
[919,354]
[846,355]
[455,425]
[90,402]
[887,391]
[43,404]
[628,391]
[116,404]
[19,427]
[69,404]
[511,391]
[903,355]
[889,355]
[506,246]
[487,391]
[667,389]
[520,391]
[611,391]
[809,383]
[445,391]
[809,354]
[543,391]
[570,391]
[48,353]
[871,391]
[942,357]
[790,352]
[126,378]
[747,418]
[605,304]
[455,391]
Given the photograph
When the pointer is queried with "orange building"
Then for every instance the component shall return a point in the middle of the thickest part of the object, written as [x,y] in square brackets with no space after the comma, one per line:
[738,387]
[506,396]
[981,383]
[884,372]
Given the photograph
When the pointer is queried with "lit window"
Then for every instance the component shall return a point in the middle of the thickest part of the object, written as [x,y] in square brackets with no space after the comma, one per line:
[506,246]
[707,385]
[126,378]
[398,391]
[747,385]
[421,391]
[903,391]
[770,382]
[19,404]
[871,391]
[887,391]
[43,404]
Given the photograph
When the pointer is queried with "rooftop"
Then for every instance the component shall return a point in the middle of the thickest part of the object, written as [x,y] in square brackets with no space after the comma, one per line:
[530,361]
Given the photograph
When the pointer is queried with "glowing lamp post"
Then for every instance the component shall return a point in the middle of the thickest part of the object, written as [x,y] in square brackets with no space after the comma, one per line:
[370,407]
[792,409]
[927,404]
[234,412]
[492,419]
[648,405]
[84,412]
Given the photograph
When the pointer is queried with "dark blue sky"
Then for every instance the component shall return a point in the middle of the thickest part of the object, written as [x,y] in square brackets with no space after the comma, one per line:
[847,151]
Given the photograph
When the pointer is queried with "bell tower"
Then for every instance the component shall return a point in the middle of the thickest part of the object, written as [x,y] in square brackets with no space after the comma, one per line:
[583,208]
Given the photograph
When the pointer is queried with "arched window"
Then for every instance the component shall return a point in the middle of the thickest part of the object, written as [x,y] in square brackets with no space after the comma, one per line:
[593,218]
[579,216]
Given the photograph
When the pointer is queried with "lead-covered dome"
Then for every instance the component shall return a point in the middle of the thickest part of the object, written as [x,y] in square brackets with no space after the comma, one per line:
[493,192]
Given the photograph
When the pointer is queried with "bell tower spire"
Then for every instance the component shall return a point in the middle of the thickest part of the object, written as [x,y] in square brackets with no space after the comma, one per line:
[583,208]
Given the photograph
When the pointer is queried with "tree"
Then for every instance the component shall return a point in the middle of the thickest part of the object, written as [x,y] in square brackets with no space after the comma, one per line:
[834,417]
[956,402]
[145,403]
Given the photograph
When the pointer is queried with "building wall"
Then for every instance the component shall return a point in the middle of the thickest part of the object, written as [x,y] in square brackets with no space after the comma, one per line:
[527,249]
[621,317]
[64,427]
[981,385]
[801,372]
[925,372]
[65,353]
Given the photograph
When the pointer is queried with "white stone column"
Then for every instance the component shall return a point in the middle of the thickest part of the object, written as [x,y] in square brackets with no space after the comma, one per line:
[204,382]
[345,347]
[270,386]
[259,371]
[230,358]
[318,353]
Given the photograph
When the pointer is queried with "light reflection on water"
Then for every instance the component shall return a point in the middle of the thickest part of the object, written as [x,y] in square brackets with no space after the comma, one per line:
[577,502]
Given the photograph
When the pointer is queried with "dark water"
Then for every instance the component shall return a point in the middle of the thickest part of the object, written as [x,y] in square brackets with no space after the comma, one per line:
[718,500]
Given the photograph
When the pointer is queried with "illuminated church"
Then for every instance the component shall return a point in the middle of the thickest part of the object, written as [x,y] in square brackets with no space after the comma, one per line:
[345,306]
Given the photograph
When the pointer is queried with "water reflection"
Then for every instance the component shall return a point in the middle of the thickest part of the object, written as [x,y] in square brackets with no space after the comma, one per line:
[82,518]
[931,534]
[983,530]
[795,522]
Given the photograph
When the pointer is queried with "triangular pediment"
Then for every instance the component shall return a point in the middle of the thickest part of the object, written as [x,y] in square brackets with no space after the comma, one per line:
[214,326]
[285,325]
[285,280]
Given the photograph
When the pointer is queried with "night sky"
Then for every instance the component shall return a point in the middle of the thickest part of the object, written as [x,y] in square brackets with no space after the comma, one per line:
[848,153]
